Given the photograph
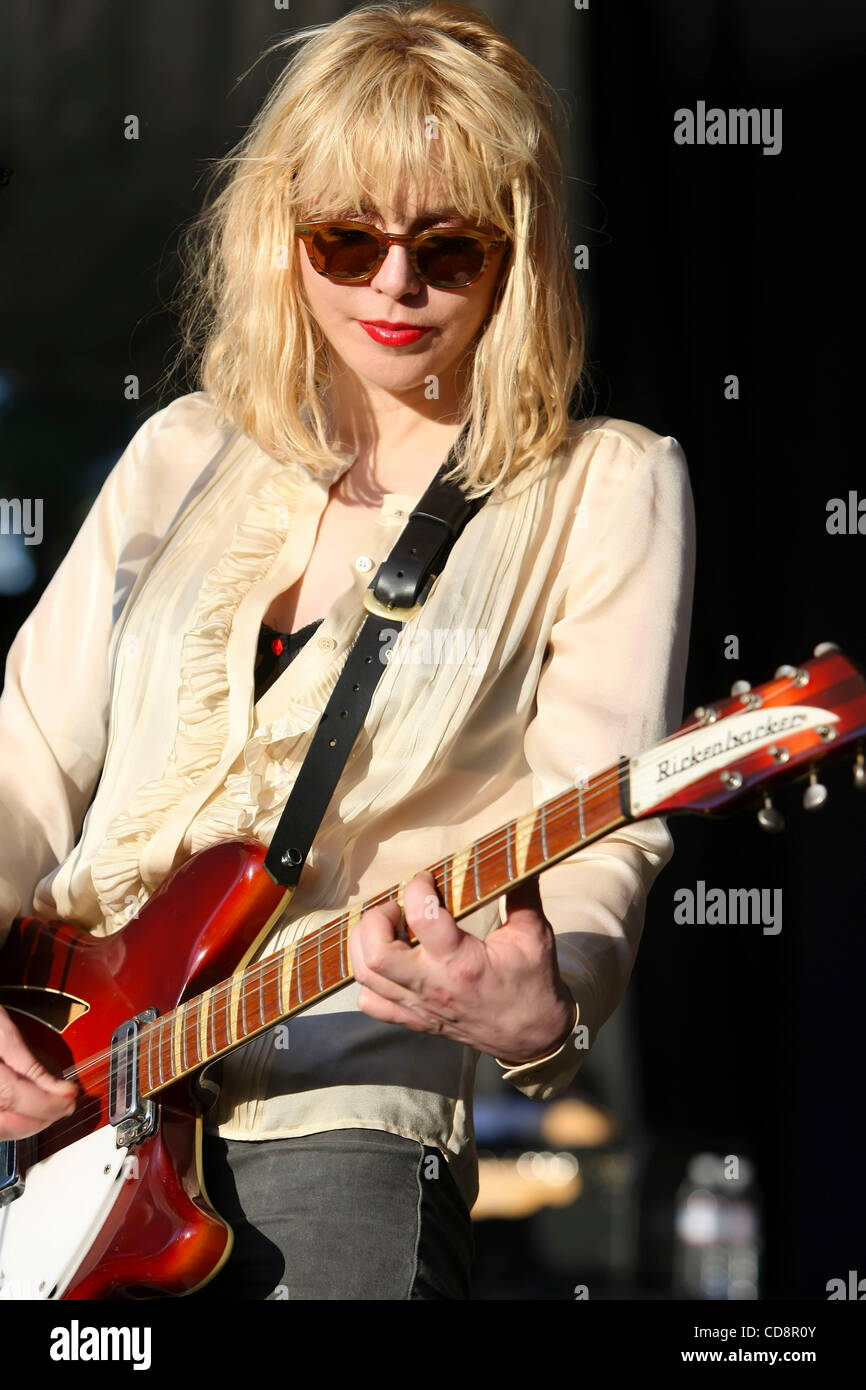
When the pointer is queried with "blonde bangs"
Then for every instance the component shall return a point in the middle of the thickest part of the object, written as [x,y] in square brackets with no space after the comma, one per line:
[391,100]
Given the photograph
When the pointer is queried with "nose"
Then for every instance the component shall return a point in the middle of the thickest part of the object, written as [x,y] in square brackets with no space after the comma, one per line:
[395,276]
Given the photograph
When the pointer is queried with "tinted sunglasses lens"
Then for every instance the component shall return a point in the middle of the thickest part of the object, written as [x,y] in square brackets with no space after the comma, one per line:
[344,252]
[450,261]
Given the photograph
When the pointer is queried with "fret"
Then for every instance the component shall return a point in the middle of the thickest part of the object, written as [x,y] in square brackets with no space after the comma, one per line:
[459,865]
[352,920]
[261,971]
[475,871]
[175,1040]
[447,893]
[344,946]
[509,831]
[150,1081]
[285,979]
[300,971]
[523,838]
[319,959]
[213,1045]
[159,1053]
[233,1009]
[244,1029]
[544,849]
[183,1055]
[203,1008]
[581,825]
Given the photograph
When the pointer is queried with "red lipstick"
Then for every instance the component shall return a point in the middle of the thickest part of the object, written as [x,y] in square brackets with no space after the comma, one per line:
[392,334]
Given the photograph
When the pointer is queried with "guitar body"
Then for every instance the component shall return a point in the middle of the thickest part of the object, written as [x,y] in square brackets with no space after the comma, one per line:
[95,1221]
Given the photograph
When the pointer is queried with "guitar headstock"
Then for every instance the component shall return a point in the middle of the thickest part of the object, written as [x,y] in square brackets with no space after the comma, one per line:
[738,748]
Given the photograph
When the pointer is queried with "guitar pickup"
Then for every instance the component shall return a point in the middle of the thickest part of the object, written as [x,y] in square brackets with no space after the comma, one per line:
[133,1117]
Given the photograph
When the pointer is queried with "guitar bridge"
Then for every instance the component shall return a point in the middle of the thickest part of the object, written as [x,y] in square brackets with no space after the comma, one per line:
[133,1117]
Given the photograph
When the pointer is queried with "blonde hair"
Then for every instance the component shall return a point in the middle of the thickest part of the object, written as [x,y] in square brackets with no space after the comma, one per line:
[348,123]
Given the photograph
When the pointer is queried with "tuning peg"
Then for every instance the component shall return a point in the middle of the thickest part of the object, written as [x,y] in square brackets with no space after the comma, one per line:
[824,647]
[769,818]
[740,687]
[860,771]
[784,671]
[816,793]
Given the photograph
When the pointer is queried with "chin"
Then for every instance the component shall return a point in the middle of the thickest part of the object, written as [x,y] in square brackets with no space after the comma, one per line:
[399,374]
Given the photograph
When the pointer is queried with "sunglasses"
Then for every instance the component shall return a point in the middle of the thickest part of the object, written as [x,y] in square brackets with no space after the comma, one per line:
[350,253]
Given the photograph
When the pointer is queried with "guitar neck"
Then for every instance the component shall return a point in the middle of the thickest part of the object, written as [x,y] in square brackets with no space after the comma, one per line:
[722,756]
[223,1018]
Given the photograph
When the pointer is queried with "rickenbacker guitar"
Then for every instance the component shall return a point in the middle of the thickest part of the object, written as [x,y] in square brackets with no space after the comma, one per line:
[135,1017]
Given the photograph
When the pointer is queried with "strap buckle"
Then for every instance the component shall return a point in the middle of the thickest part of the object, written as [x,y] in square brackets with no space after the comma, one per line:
[383,610]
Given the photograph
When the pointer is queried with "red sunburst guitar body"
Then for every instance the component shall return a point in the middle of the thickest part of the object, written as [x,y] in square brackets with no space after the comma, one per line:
[145,1226]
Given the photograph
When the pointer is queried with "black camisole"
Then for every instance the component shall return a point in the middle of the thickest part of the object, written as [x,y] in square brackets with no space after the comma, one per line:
[275,651]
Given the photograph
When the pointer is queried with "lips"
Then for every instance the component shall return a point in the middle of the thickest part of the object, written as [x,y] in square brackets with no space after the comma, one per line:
[392,334]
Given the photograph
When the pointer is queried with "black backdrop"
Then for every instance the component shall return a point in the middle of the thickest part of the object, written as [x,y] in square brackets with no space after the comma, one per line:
[704,262]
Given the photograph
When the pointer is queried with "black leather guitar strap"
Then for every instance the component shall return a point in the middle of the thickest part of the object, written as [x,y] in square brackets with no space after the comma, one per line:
[399,588]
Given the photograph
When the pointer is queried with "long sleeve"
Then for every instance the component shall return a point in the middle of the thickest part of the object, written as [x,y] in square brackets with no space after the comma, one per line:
[55,700]
[612,684]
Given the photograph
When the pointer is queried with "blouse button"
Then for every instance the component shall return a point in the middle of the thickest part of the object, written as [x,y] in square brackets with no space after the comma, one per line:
[399,515]
[363,563]
[327,644]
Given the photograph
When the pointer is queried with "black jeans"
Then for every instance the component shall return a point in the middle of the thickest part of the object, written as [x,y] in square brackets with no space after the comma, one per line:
[345,1214]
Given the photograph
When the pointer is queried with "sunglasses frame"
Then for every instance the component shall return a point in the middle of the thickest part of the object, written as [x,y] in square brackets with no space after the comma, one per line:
[307,230]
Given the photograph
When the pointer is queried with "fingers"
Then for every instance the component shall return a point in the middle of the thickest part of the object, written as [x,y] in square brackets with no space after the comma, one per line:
[401,983]
[374,947]
[14,1127]
[523,904]
[420,1020]
[30,1097]
[434,927]
[26,1106]
[17,1055]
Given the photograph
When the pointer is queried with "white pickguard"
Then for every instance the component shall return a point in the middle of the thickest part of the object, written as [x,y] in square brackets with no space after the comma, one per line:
[47,1231]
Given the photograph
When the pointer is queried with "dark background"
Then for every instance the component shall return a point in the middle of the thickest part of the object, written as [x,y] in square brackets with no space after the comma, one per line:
[704,261]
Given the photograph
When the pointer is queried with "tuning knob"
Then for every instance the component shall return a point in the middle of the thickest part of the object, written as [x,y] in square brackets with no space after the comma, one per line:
[784,671]
[824,647]
[769,818]
[860,771]
[740,687]
[816,793]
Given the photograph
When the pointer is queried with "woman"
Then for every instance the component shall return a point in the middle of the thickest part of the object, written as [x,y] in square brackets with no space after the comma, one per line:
[340,364]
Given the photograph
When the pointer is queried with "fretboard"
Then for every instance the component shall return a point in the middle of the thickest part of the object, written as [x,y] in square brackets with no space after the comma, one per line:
[272,990]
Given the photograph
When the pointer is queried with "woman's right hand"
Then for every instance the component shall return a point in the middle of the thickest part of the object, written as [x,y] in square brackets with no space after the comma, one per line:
[30,1097]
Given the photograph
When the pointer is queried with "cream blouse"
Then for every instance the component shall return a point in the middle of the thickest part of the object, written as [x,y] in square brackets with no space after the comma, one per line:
[554,641]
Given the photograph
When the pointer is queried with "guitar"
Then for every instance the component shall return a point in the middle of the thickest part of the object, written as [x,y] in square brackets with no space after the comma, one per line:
[135,1017]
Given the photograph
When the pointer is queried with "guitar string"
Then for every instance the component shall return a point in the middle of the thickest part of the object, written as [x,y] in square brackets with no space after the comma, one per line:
[308,953]
[333,933]
[313,946]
